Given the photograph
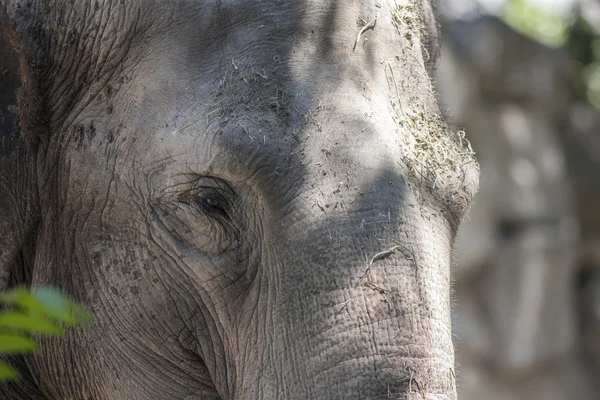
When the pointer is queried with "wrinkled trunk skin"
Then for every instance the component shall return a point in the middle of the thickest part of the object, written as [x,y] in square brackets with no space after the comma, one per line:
[254,204]
[380,332]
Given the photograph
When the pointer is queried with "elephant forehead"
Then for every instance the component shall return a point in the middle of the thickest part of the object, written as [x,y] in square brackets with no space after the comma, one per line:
[236,88]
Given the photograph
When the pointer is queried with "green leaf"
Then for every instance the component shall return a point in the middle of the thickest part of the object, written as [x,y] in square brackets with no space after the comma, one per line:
[28,323]
[21,297]
[61,307]
[56,303]
[6,372]
[39,312]
[47,301]
[10,344]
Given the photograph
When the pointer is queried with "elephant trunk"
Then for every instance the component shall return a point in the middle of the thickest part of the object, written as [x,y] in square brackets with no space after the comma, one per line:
[363,309]
[355,276]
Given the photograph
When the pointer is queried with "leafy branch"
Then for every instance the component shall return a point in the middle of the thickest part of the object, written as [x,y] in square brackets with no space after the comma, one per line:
[44,311]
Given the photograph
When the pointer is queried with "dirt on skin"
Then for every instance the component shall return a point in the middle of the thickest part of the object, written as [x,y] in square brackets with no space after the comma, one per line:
[434,153]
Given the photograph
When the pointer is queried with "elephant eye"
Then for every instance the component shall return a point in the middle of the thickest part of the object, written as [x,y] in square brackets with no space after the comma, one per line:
[213,202]
[214,205]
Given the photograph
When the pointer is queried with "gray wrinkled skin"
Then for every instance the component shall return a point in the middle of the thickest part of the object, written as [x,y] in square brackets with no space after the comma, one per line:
[253,204]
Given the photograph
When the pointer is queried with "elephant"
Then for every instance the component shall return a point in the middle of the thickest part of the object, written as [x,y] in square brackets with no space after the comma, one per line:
[255,199]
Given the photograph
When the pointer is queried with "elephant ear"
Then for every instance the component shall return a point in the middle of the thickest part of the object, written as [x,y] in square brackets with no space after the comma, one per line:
[69,51]
[55,56]
[18,213]
[24,40]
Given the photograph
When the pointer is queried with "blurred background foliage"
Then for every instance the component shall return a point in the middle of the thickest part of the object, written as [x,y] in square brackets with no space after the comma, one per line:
[570,24]
[548,27]
[583,43]
[579,35]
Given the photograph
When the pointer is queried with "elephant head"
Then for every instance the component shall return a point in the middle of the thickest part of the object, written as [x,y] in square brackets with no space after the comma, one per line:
[256,199]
